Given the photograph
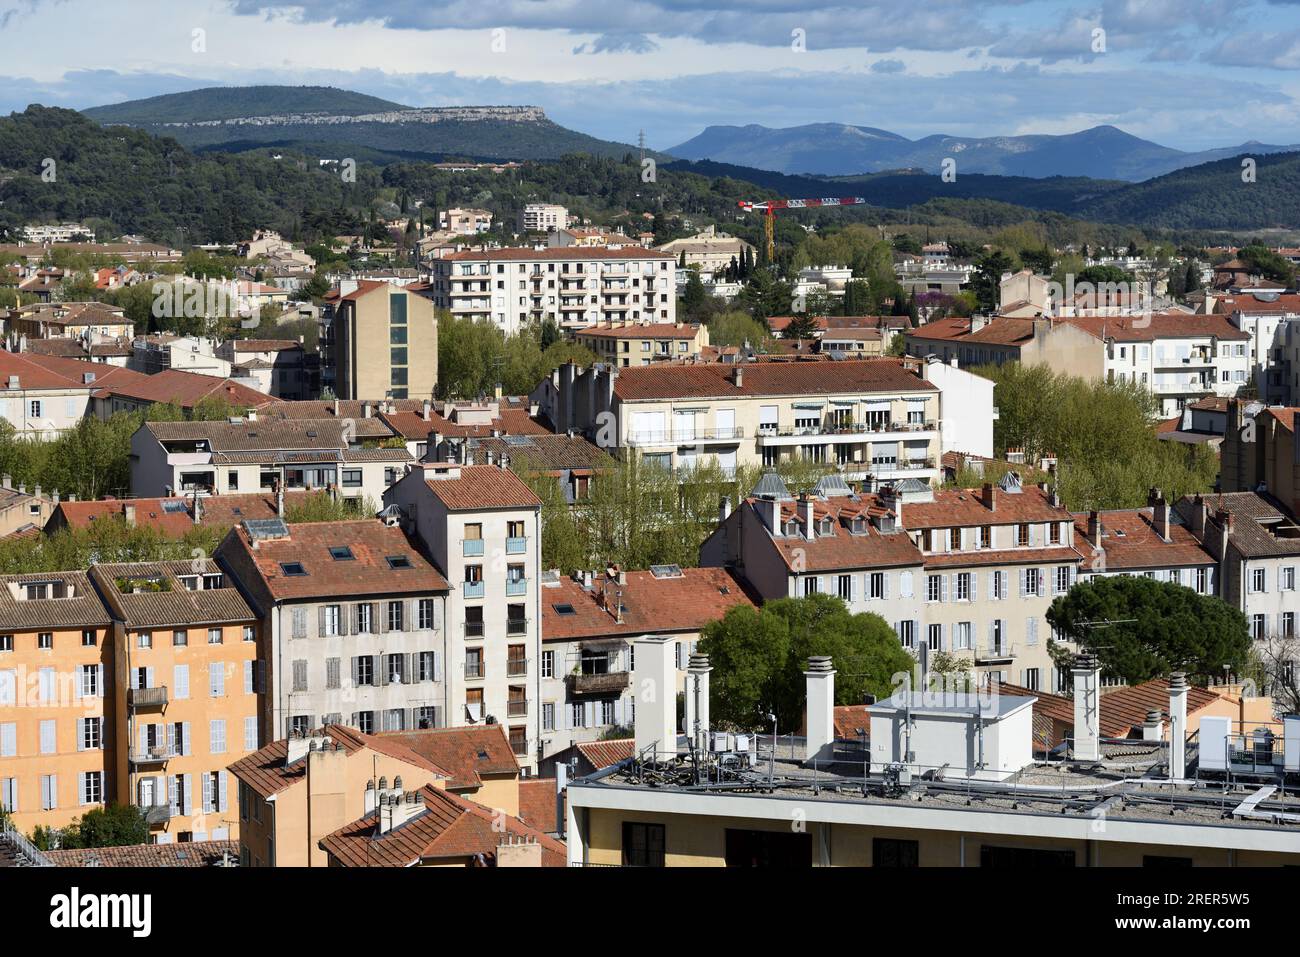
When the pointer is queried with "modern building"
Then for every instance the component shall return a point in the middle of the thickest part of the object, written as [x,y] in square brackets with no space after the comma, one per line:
[575,287]
[354,619]
[623,344]
[187,693]
[382,343]
[480,525]
[465,222]
[542,218]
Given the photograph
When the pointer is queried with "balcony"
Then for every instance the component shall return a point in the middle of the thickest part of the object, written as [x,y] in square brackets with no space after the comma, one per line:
[516,587]
[147,697]
[1001,653]
[683,436]
[611,682]
[772,434]
[516,546]
[472,548]
[473,589]
[158,754]
[473,629]
[516,709]
[157,814]
[516,667]
[475,670]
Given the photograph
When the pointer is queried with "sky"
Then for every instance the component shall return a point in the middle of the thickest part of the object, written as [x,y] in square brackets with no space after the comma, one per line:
[1191,74]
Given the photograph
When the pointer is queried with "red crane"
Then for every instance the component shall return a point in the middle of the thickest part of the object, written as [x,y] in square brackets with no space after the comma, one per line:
[770,207]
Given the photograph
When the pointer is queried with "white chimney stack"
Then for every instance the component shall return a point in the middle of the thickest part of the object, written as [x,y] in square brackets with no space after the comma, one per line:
[1177,725]
[1153,728]
[655,687]
[1087,710]
[820,716]
[697,700]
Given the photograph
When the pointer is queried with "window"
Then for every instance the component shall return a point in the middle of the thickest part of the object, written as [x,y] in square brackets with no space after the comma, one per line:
[889,852]
[516,620]
[6,642]
[876,586]
[89,639]
[906,631]
[214,636]
[92,787]
[90,681]
[217,736]
[144,640]
[49,737]
[395,616]
[933,588]
[1288,578]
[473,662]
[426,663]
[398,562]
[363,670]
[810,585]
[352,478]
[844,587]
[1203,580]
[1022,535]
[1257,627]
[216,679]
[548,664]
[1062,583]
[963,589]
[548,716]
[250,734]
[300,675]
[643,845]
[961,635]
[45,640]
[35,407]
[91,734]
[341,553]
[1258,580]
[934,637]
[293,569]
[396,671]
[1288,624]
[331,620]
[424,614]
[1054,533]
[986,536]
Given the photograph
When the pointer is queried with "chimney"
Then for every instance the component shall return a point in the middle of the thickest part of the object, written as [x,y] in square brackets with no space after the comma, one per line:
[519,851]
[1153,726]
[808,524]
[8,481]
[697,701]
[991,496]
[561,782]
[336,407]
[128,512]
[1094,528]
[1177,725]
[365,410]
[724,509]
[655,685]
[279,499]
[820,715]
[1198,516]
[428,407]
[396,809]
[1087,723]
[1159,513]
[738,376]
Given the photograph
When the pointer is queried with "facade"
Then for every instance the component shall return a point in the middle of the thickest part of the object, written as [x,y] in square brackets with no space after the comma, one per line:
[355,624]
[277,366]
[877,420]
[542,217]
[480,525]
[156,353]
[255,454]
[465,222]
[383,343]
[1259,451]
[1269,320]
[69,320]
[57,712]
[711,251]
[575,287]
[643,343]
[186,691]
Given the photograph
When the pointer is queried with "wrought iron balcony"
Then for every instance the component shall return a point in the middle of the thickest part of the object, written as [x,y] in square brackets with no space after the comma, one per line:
[611,682]
[148,697]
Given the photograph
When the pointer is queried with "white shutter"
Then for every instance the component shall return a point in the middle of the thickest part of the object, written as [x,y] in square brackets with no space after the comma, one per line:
[99,679]
[181,679]
[974,586]
[943,588]
[223,791]
[81,734]
[905,584]
[189,793]
[884,588]
[1042,582]
[173,794]
[208,807]
[185,739]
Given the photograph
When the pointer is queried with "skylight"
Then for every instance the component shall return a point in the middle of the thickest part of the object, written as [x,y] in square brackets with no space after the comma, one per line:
[293,568]
[398,561]
[564,608]
[341,553]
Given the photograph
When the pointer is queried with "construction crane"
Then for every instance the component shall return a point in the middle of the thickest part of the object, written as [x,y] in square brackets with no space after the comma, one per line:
[770,207]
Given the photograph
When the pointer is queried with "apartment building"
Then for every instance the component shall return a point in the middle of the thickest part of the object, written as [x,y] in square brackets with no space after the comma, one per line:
[1259,450]
[186,692]
[157,353]
[542,217]
[465,222]
[39,402]
[1269,320]
[57,717]
[480,525]
[588,624]
[1149,541]
[877,420]
[966,571]
[382,343]
[355,623]
[575,287]
[75,320]
[278,366]
[255,454]
[709,250]
[624,344]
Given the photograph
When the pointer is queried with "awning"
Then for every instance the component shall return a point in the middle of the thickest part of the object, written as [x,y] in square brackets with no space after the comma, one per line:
[808,405]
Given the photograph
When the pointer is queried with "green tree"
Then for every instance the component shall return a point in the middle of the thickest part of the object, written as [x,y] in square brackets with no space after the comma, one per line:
[1158,627]
[986,281]
[116,825]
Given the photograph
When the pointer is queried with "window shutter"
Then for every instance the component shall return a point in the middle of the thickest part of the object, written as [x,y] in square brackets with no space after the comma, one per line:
[208,807]
[408,670]
[186,743]
[974,586]
[437,666]
[1042,582]
[356,674]
[171,739]
[343,620]
[99,679]
[382,665]
[81,734]
[173,794]
[320,620]
[189,793]
[149,677]
[943,588]
[884,589]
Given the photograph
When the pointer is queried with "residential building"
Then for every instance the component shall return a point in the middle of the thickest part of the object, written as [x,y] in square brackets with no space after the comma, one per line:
[588,624]
[575,287]
[355,623]
[1023,294]
[877,420]
[1259,451]
[440,430]
[156,353]
[542,217]
[465,222]
[69,320]
[172,516]
[187,693]
[1150,541]
[624,344]
[480,525]
[709,250]
[38,402]
[382,343]
[573,461]
[254,454]
[1268,318]
[278,367]
[21,510]
[57,718]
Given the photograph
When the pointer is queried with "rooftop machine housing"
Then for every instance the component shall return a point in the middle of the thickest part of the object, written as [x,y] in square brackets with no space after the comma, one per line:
[953,735]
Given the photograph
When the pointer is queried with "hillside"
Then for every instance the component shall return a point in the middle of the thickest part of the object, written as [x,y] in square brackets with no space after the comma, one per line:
[334,123]
[837,149]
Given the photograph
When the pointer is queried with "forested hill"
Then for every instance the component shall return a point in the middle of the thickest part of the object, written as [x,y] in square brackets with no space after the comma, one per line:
[231,102]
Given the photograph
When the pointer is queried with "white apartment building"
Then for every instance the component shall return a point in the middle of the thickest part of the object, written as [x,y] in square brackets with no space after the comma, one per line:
[480,524]
[465,222]
[355,624]
[252,454]
[1269,319]
[876,419]
[156,353]
[574,286]
[542,217]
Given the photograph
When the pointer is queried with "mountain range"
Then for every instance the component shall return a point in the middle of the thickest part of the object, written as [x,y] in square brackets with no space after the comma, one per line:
[837,149]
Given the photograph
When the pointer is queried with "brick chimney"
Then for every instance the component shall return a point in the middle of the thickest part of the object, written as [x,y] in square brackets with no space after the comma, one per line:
[991,496]
[1159,513]
[1094,528]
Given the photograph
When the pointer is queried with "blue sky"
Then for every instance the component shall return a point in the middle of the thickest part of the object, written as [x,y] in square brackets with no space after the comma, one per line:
[1191,74]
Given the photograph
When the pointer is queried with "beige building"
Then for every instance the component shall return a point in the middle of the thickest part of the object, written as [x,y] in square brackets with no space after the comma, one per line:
[384,343]
[710,250]
[542,217]
[623,343]
[465,222]
[55,320]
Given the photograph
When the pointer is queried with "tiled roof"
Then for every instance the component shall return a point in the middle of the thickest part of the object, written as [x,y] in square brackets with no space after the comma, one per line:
[650,605]
[1007,556]
[265,345]
[191,854]
[544,452]
[1256,516]
[177,605]
[767,379]
[34,373]
[851,720]
[649,330]
[83,610]
[565,253]
[259,435]
[605,754]
[466,752]
[265,772]
[966,508]
[1253,305]
[366,573]
[1162,325]
[482,486]
[450,827]
[842,548]
[150,512]
[537,804]
[1129,541]
[1124,710]
[998,331]
[171,385]
[511,421]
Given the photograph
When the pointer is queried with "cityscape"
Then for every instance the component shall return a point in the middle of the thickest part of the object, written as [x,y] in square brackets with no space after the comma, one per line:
[588,452]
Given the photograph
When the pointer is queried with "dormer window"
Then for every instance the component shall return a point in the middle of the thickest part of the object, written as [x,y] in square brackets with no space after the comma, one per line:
[828,526]
[792,527]
[858,526]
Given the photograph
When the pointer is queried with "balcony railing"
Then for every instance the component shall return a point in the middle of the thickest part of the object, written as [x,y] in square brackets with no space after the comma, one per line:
[472,548]
[997,653]
[516,667]
[154,755]
[519,746]
[157,814]
[517,626]
[516,709]
[475,670]
[683,436]
[473,629]
[516,546]
[516,586]
[611,682]
[148,697]
[473,589]
[832,429]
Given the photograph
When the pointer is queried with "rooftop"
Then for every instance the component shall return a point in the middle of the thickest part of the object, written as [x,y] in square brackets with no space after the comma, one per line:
[468,488]
[709,380]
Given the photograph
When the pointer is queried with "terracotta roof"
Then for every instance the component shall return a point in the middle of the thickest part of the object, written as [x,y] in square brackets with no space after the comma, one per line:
[413,424]
[368,572]
[265,345]
[171,385]
[544,452]
[1253,305]
[1124,710]
[664,381]
[851,720]
[190,854]
[998,331]
[1161,325]
[537,804]
[84,609]
[604,754]
[1008,556]
[34,372]
[265,772]
[649,330]
[481,486]
[176,606]
[1257,519]
[566,253]
[650,605]
[466,752]
[259,435]
[175,516]
[966,508]
[843,548]
[450,827]
[1129,541]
